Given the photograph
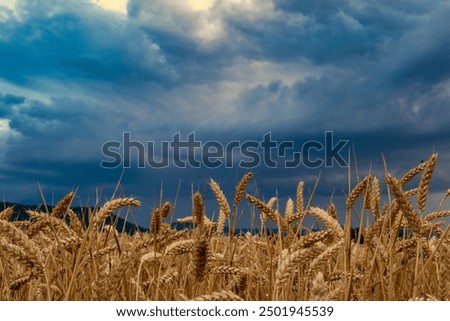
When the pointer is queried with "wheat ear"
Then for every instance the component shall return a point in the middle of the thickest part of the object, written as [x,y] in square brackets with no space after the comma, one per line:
[155,223]
[223,205]
[62,205]
[223,295]
[412,173]
[328,220]
[444,272]
[327,254]
[166,209]
[199,209]
[17,237]
[404,203]
[240,188]
[227,270]
[319,289]
[6,213]
[424,183]
[375,197]
[264,208]
[180,247]
[332,210]
[112,205]
[201,253]
[312,238]
[300,206]
[18,283]
[289,209]
[357,190]
[290,261]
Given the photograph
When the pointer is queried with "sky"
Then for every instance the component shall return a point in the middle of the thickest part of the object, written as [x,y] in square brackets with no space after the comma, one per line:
[75,75]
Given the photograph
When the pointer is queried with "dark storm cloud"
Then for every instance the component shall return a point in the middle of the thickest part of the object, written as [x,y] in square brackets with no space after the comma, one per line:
[74,41]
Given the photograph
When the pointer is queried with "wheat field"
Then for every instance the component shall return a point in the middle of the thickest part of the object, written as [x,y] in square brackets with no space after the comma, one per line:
[399,253]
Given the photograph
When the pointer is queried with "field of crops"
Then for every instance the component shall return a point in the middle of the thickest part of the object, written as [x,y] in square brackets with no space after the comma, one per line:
[400,253]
